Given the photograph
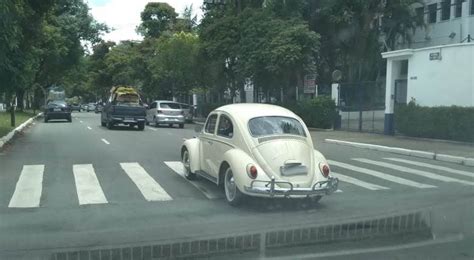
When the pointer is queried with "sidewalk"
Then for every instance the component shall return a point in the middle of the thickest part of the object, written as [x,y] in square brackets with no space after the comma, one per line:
[449,151]
[411,143]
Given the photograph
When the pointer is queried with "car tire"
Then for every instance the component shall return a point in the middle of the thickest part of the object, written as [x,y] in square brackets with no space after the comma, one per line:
[188,174]
[102,123]
[181,125]
[147,123]
[232,193]
[141,126]
[170,125]
[69,119]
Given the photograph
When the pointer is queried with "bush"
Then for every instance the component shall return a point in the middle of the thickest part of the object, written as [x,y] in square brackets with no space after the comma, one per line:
[319,112]
[450,123]
[205,108]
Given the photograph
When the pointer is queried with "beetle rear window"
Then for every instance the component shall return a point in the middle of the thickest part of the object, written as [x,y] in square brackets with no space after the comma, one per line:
[275,125]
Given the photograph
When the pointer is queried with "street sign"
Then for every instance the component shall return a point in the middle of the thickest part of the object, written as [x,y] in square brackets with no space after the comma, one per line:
[435,56]
[309,84]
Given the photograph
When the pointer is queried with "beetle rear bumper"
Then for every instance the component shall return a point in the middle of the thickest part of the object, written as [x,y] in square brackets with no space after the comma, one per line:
[271,189]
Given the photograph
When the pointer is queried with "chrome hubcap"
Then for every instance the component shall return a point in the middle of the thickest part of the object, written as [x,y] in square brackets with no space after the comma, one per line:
[230,187]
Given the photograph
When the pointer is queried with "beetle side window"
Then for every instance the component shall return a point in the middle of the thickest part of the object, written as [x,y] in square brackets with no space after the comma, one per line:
[225,127]
[211,124]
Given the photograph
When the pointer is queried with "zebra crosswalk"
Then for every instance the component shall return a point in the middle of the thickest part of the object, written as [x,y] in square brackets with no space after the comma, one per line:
[361,174]
[87,185]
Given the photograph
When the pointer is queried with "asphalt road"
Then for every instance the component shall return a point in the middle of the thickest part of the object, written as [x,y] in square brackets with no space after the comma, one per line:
[80,185]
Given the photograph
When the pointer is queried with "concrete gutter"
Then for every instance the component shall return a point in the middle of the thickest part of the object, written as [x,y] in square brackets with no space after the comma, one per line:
[5,139]
[414,153]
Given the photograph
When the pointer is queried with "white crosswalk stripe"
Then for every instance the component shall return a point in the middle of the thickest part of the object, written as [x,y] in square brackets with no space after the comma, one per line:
[432,166]
[150,189]
[357,182]
[178,168]
[28,189]
[87,185]
[381,175]
[413,171]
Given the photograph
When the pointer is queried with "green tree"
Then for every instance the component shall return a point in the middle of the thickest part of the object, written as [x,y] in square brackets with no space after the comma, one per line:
[156,19]
[176,62]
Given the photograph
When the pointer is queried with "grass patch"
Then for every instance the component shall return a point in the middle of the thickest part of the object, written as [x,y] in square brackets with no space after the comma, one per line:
[5,120]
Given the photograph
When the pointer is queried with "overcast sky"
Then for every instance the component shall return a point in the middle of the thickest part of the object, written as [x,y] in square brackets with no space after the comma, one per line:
[124,15]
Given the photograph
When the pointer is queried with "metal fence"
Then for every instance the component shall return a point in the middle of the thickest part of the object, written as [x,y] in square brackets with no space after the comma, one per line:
[362,106]
[262,243]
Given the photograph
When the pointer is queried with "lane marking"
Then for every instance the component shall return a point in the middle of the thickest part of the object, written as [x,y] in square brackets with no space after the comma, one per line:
[89,128]
[358,182]
[431,166]
[150,189]
[151,128]
[29,187]
[381,175]
[87,185]
[178,168]
[413,171]
[105,141]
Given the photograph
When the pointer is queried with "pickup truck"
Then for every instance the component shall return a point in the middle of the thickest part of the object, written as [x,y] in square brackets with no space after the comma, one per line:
[123,108]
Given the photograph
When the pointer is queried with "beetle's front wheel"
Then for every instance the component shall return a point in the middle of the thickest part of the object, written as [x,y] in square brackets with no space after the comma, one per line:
[187,165]
[232,193]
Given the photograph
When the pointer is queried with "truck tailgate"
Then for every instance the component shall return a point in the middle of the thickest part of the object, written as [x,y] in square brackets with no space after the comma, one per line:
[128,111]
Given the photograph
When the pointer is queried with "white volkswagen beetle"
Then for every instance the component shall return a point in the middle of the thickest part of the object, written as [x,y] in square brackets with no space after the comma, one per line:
[258,150]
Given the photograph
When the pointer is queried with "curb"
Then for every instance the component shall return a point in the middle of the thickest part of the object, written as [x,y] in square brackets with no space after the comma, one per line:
[5,139]
[414,153]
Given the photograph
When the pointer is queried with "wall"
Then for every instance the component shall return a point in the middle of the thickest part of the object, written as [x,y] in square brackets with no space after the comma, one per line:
[445,82]
[438,33]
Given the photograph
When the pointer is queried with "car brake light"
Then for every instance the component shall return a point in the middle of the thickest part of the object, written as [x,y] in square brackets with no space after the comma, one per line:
[159,111]
[324,169]
[252,171]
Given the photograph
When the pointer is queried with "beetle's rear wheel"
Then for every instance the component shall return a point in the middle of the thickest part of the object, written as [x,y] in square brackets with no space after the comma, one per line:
[232,193]
[187,165]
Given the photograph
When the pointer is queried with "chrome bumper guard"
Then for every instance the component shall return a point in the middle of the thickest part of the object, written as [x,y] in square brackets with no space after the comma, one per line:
[319,188]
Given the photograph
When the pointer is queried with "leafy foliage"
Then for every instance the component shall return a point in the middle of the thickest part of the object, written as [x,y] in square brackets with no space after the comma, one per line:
[450,123]
[319,112]
[156,19]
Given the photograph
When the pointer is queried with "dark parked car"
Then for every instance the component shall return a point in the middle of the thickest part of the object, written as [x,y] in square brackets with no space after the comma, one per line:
[57,110]
[98,108]
[76,107]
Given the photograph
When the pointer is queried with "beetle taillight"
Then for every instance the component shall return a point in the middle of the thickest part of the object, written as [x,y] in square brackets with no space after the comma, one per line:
[324,169]
[252,171]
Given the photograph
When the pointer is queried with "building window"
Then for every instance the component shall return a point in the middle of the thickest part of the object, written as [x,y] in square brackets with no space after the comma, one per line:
[445,10]
[472,7]
[432,9]
[420,12]
[458,8]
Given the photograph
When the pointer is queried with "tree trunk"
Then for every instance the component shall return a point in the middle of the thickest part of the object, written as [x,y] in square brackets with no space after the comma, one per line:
[20,94]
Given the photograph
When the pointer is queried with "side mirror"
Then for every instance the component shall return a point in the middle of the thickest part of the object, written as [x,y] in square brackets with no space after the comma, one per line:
[198,128]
